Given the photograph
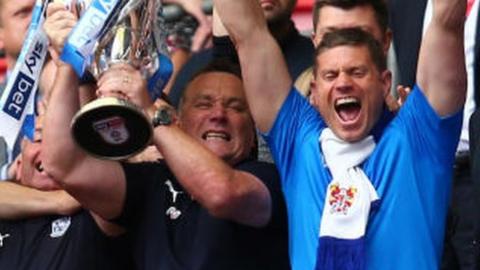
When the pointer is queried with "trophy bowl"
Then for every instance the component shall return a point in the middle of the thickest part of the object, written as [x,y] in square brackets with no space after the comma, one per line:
[110,127]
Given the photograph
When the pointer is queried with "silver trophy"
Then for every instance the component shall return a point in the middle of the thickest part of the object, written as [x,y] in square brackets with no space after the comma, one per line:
[113,128]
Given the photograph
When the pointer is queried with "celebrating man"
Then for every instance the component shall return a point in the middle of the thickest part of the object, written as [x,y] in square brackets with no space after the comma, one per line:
[209,205]
[376,190]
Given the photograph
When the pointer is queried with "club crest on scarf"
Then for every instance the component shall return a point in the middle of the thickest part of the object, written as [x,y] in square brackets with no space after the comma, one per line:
[341,198]
[348,199]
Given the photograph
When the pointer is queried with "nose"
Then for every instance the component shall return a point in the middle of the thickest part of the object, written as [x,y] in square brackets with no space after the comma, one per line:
[343,82]
[218,113]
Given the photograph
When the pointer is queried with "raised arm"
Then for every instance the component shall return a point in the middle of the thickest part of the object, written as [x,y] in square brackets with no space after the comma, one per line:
[266,78]
[441,66]
[98,185]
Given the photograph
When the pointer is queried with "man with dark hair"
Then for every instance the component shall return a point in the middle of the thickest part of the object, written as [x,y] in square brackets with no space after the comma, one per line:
[208,205]
[357,193]
[369,15]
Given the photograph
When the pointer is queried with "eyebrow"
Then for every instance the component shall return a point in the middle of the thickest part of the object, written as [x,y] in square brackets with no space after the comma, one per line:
[202,97]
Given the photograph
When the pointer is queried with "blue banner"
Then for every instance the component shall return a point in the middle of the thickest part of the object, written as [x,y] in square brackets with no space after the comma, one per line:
[18,99]
[81,43]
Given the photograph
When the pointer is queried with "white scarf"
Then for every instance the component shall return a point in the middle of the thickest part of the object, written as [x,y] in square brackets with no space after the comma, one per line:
[348,198]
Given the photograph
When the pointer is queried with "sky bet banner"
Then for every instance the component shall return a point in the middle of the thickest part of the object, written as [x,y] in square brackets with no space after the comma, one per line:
[18,98]
[81,42]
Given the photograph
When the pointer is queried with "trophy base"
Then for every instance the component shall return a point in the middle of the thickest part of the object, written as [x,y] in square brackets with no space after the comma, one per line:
[111,128]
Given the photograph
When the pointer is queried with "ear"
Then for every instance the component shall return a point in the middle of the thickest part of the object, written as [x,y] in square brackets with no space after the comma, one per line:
[310,95]
[313,97]
[315,39]
[386,79]
[387,40]
[313,84]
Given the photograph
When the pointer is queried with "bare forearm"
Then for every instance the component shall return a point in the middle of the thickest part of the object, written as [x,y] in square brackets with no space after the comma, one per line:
[266,80]
[64,161]
[97,184]
[18,201]
[241,17]
[224,191]
[264,70]
[443,79]
[60,152]
[193,165]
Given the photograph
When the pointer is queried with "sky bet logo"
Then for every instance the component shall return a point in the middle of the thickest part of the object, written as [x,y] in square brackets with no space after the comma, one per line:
[93,20]
[23,84]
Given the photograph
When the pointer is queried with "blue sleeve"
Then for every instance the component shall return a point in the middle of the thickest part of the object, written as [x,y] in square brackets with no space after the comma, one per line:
[294,121]
[432,135]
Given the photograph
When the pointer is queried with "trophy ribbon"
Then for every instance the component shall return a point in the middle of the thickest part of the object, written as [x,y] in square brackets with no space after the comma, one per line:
[81,42]
[113,128]
[17,104]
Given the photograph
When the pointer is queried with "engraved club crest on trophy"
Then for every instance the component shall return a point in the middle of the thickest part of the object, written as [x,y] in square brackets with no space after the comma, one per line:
[110,127]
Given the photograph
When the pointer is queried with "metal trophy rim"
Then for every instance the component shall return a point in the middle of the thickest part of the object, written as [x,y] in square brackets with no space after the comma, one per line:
[128,35]
[106,103]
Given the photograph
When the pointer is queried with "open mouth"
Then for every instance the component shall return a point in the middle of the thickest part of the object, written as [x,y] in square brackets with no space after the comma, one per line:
[39,166]
[216,135]
[348,108]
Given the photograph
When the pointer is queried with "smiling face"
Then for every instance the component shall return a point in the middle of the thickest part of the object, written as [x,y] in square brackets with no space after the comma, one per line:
[214,111]
[31,171]
[349,90]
